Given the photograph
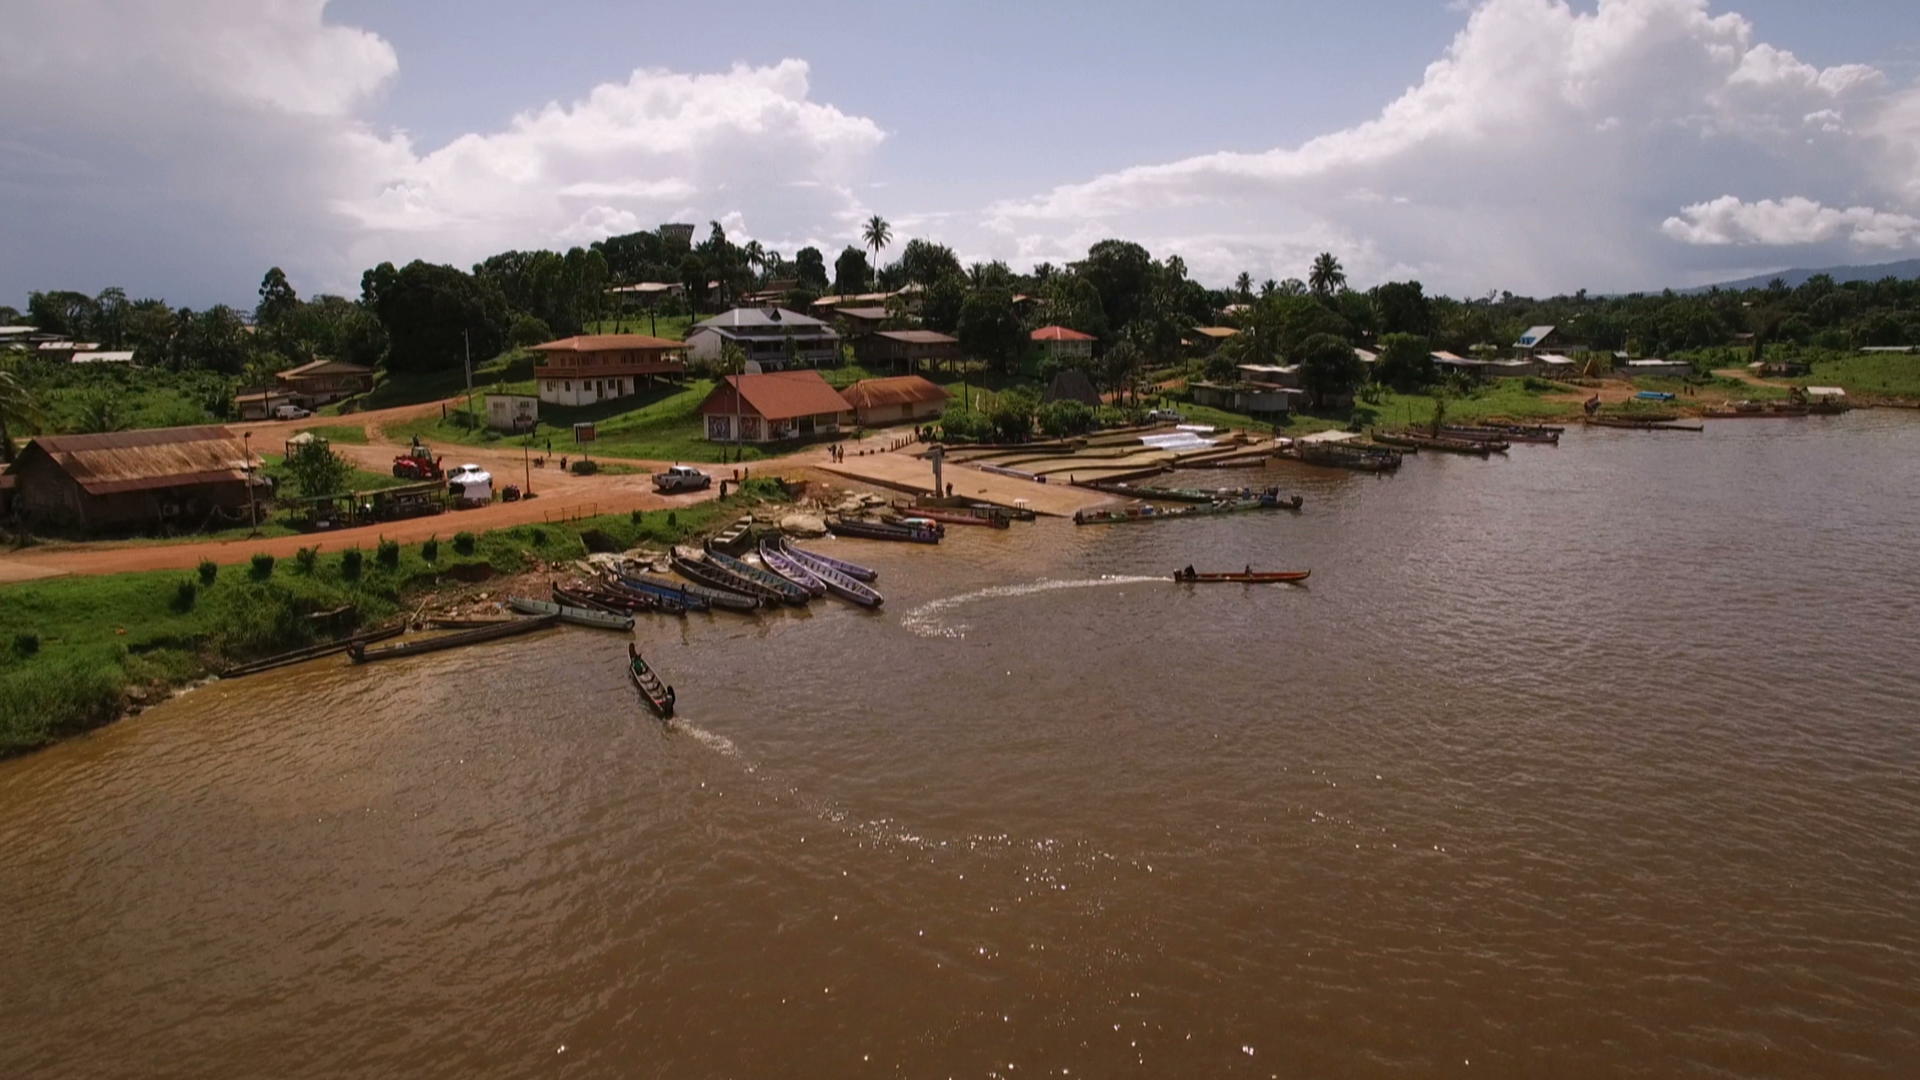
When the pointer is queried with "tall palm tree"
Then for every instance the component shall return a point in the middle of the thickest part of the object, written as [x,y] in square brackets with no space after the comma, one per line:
[1326,277]
[1243,286]
[878,234]
[756,256]
[18,408]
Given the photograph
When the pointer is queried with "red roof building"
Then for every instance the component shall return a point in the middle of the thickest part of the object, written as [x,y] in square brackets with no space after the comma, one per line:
[1064,344]
[591,368]
[896,400]
[772,406]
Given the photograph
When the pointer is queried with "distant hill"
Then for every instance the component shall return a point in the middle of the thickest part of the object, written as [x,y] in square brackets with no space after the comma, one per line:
[1906,268]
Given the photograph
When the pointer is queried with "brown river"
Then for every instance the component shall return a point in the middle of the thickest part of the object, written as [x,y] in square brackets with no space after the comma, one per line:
[1592,761]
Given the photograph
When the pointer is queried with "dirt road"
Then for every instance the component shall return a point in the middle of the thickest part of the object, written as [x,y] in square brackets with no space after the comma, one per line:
[560,496]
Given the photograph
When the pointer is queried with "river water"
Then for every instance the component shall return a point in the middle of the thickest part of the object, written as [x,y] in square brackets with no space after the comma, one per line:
[1592,761]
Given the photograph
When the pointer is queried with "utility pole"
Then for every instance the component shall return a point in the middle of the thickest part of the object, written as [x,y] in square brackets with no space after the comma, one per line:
[253,504]
[467,347]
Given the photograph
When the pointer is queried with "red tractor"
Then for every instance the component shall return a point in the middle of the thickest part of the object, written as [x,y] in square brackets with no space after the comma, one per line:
[418,463]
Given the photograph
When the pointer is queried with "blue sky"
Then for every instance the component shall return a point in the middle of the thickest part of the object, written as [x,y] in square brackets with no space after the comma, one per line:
[1533,146]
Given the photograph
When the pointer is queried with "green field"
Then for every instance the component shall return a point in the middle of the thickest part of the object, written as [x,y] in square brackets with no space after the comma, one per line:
[1893,375]
[72,648]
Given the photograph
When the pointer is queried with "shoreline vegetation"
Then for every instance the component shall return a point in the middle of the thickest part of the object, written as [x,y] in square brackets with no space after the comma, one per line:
[79,652]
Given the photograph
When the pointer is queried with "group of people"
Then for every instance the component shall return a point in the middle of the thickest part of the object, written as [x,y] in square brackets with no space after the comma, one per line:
[837,452]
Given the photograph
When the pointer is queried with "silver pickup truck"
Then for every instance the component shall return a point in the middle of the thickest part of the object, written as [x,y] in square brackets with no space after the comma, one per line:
[681,478]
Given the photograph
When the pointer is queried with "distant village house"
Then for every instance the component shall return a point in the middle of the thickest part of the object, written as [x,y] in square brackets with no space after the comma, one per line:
[899,399]
[906,350]
[591,368]
[187,477]
[773,338]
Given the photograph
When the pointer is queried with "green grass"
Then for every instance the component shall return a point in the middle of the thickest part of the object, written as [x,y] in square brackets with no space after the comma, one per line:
[390,389]
[1895,375]
[73,648]
[345,434]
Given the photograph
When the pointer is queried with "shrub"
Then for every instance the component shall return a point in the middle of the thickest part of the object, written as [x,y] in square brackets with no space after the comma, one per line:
[584,467]
[350,563]
[1065,418]
[430,548]
[673,520]
[262,566]
[184,595]
[637,517]
[538,536]
[463,542]
[964,425]
[387,554]
[26,644]
[208,571]
[306,557]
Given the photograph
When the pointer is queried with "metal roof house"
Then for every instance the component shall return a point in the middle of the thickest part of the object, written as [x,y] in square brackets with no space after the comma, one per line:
[1547,338]
[773,405]
[773,338]
[124,480]
[895,400]
[590,368]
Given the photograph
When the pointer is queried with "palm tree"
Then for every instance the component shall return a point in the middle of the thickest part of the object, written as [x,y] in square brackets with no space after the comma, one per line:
[1326,277]
[756,256]
[1243,287]
[878,234]
[18,408]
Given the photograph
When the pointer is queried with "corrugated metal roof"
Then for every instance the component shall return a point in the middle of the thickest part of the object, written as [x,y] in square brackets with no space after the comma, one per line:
[589,343]
[775,395]
[119,461]
[862,312]
[895,390]
[742,317]
[326,367]
[919,337]
[1533,336]
[1059,333]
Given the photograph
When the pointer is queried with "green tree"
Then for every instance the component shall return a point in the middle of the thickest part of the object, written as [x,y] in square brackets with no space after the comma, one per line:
[277,299]
[19,408]
[1243,288]
[850,271]
[1328,368]
[1400,307]
[62,312]
[1012,413]
[923,262]
[1122,272]
[1070,300]
[810,268]
[433,314]
[1326,277]
[940,306]
[528,330]
[877,234]
[1061,418]
[314,469]
[989,329]
[1406,362]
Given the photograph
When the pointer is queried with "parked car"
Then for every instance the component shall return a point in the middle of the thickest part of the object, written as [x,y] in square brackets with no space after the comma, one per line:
[291,412]
[1171,416]
[681,478]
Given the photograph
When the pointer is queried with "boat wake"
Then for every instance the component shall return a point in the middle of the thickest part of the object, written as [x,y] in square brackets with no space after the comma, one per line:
[931,619]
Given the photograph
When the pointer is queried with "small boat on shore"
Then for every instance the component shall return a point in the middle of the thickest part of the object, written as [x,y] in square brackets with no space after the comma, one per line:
[1346,456]
[1184,495]
[1736,410]
[363,655]
[954,515]
[1417,440]
[311,652]
[1253,577]
[839,584]
[697,568]
[578,616]
[1515,433]
[1641,425]
[1269,500]
[786,589]
[658,694]
[618,602]
[880,530]
[814,558]
[790,568]
[692,597]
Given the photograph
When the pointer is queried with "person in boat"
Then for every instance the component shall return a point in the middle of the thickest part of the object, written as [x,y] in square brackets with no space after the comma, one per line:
[1249,569]
[1189,573]
[670,697]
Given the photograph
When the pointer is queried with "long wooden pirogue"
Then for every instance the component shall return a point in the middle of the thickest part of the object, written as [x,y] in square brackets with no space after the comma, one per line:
[363,655]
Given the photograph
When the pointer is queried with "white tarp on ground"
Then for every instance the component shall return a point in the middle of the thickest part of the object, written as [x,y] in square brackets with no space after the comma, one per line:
[1178,440]
[1329,436]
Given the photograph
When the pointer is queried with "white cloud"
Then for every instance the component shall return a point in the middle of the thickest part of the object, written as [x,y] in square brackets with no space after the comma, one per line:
[1547,149]
[180,149]
[1790,221]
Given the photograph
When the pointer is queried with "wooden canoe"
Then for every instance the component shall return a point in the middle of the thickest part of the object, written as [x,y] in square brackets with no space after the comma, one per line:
[578,616]
[363,655]
[712,576]
[311,652]
[814,558]
[875,530]
[790,568]
[787,591]
[838,583]
[1248,577]
[658,694]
